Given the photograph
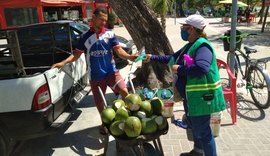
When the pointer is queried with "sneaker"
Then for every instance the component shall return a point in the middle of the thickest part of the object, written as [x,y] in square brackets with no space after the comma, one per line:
[192,153]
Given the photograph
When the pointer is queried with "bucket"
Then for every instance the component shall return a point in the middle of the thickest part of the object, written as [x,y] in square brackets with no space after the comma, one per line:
[168,108]
[215,122]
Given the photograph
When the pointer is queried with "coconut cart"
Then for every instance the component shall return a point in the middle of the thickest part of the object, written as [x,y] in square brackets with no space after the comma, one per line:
[140,144]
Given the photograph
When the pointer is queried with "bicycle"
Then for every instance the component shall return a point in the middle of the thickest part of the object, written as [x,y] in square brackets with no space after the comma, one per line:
[257,81]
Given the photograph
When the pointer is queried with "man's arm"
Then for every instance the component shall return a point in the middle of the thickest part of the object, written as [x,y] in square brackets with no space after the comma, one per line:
[72,57]
[123,54]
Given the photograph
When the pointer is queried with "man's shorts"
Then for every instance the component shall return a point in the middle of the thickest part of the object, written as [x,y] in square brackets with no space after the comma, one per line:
[114,81]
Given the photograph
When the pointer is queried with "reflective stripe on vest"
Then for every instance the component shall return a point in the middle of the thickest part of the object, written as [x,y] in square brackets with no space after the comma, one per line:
[203,87]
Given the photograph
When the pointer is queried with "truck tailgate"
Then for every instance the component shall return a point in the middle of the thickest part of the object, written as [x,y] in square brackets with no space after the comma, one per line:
[17,94]
[61,82]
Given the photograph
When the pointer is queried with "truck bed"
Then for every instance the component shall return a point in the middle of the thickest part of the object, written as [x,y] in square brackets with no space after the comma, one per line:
[33,49]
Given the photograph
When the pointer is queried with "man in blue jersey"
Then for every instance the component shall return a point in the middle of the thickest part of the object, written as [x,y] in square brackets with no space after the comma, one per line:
[97,44]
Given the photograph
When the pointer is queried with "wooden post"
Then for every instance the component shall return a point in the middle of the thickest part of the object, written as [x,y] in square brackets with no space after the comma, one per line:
[16,51]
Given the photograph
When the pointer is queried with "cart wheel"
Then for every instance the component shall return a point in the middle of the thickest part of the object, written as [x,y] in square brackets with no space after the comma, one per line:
[149,150]
[118,147]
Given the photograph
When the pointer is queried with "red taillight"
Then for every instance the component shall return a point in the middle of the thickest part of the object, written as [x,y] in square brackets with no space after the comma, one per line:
[42,98]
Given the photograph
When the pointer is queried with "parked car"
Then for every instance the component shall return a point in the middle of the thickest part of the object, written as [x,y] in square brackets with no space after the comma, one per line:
[35,99]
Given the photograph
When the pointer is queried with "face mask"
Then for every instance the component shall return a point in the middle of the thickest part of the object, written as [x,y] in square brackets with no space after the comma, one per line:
[184,35]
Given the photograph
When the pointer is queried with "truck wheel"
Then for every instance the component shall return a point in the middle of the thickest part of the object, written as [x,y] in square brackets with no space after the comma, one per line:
[3,146]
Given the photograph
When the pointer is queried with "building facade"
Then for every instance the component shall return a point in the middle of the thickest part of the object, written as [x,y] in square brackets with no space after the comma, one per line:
[15,13]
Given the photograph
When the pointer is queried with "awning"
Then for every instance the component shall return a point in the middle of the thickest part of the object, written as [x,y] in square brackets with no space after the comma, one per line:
[34,3]
[19,3]
[57,3]
[101,5]
[230,2]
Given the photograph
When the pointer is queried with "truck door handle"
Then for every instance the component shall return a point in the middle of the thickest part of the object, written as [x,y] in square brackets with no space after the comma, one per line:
[54,76]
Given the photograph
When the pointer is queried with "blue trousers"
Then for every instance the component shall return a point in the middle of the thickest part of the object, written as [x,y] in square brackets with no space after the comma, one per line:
[202,134]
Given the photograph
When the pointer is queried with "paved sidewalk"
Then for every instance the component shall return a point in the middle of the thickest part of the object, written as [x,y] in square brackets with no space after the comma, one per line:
[251,134]
[249,137]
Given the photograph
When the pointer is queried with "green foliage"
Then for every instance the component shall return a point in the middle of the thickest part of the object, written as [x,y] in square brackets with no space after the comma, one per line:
[112,18]
[160,6]
[200,3]
[180,2]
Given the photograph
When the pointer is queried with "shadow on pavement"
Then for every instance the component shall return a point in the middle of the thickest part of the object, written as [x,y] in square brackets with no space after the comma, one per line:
[80,142]
[260,39]
[88,101]
[72,138]
[247,109]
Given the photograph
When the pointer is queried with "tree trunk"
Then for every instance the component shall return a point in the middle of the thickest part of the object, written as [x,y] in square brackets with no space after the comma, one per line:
[163,22]
[146,31]
[262,12]
[180,10]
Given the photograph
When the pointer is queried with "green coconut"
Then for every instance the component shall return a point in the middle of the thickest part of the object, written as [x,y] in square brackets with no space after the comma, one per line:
[117,104]
[133,102]
[157,106]
[117,128]
[142,96]
[132,126]
[107,115]
[122,113]
[146,107]
[149,126]
[161,122]
[153,116]
[140,114]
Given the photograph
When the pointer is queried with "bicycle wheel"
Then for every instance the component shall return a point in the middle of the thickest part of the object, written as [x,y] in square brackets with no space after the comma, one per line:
[259,84]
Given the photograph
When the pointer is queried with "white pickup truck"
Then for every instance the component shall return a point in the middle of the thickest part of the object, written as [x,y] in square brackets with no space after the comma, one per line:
[36,100]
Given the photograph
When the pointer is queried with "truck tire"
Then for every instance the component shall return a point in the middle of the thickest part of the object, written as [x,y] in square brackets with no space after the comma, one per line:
[3,146]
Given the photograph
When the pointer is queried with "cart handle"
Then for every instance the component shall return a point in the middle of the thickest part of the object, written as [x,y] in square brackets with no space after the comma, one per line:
[102,96]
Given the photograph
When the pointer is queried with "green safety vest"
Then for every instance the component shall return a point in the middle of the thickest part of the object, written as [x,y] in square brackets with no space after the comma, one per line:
[204,94]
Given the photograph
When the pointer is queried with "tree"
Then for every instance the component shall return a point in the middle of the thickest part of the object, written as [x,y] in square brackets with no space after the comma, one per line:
[111,20]
[161,7]
[145,30]
[179,7]
[262,12]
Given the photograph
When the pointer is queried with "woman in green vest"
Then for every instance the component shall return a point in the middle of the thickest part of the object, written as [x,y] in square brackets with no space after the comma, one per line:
[198,82]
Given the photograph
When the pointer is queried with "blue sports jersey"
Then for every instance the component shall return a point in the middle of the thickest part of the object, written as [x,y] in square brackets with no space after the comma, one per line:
[98,49]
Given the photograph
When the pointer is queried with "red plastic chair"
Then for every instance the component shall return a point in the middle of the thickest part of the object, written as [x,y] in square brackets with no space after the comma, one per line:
[230,91]
[252,17]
